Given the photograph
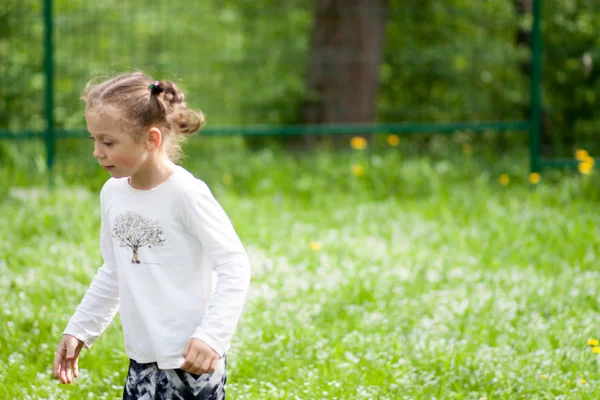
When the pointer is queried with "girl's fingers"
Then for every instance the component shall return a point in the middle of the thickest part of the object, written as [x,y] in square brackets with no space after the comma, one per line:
[61,372]
[64,377]
[205,368]
[190,357]
[75,366]
[69,374]
[66,366]
[195,365]
[57,358]
[198,367]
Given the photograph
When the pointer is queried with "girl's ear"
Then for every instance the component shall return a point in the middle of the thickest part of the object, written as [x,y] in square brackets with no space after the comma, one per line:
[154,139]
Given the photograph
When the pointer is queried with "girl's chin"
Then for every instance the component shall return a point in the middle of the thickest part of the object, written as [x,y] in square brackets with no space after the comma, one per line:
[116,174]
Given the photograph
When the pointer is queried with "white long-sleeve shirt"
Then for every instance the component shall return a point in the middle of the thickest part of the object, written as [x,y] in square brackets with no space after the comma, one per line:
[174,268]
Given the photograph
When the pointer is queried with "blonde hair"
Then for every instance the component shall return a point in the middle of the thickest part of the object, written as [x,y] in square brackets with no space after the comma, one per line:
[142,106]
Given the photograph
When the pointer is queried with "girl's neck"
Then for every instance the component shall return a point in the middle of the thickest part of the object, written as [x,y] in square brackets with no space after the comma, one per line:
[152,175]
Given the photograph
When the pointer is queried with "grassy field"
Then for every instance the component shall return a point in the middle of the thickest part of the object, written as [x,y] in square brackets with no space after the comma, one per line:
[381,274]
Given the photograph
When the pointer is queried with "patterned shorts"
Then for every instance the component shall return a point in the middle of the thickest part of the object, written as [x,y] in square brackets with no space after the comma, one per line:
[147,382]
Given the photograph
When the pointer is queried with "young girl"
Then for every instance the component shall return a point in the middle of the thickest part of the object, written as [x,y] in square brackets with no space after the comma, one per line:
[173,264]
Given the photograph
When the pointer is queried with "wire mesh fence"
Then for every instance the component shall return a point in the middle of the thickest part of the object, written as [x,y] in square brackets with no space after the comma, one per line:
[247,65]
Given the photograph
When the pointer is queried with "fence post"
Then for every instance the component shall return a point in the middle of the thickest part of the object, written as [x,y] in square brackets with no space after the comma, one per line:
[49,135]
[535,131]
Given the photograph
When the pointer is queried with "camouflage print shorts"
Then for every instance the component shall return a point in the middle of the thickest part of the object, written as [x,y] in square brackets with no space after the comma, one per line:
[147,382]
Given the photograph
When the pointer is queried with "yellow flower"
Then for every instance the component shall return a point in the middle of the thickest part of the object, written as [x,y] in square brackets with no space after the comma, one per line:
[358,143]
[568,381]
[544,376]
[534,178]
[596,349]
[227,179]
[467,149]
[315,246]
[504,179]
[583,381]
[589,160]
[592,342]
[581,154]
[393,140]
[358,170]
[585,168]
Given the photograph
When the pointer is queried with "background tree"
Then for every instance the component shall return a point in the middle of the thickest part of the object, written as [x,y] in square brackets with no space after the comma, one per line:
[344,59]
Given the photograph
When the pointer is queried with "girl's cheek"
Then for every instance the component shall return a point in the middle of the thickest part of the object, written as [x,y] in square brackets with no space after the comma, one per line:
[124,160]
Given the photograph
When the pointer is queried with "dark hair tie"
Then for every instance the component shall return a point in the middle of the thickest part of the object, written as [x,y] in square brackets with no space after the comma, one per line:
[155,88]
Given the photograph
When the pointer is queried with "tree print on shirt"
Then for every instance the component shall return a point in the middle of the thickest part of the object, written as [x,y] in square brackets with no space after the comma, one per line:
[134,231]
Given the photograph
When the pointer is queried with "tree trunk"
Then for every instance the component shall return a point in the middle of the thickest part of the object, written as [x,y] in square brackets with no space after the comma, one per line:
[136,257]
[343,71]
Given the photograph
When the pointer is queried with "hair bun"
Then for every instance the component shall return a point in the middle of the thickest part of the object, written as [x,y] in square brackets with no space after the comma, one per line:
[184,121]
[171,94]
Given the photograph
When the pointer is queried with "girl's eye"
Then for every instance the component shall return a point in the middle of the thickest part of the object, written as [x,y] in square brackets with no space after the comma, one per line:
[107,144]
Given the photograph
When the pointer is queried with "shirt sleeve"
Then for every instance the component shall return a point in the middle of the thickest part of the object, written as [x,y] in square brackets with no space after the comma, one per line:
[101,301]
[207,221]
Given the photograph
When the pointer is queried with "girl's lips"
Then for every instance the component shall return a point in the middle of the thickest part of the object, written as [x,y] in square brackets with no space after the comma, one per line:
[108,168]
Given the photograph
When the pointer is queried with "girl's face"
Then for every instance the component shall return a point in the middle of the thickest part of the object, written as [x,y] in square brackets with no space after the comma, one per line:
[115,149]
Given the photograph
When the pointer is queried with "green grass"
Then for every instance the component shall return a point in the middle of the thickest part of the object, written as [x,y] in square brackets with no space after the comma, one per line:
[432,279]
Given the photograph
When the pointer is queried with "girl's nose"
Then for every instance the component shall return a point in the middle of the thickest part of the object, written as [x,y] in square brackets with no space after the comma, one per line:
[97,152]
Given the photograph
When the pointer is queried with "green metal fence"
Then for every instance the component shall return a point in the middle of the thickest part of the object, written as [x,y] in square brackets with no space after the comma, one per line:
[217,49]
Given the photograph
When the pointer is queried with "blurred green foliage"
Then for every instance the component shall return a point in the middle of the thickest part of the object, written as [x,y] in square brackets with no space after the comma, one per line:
[244,62]
[571,90]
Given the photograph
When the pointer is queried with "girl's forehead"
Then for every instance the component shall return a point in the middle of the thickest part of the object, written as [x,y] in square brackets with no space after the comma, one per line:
[101,121]
[103,114]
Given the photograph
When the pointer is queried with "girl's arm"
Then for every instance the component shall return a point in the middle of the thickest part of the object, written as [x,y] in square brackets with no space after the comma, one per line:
[207,221]
[101,301]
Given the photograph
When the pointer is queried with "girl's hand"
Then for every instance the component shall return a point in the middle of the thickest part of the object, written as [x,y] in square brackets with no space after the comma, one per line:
[67,355]
[200,358]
